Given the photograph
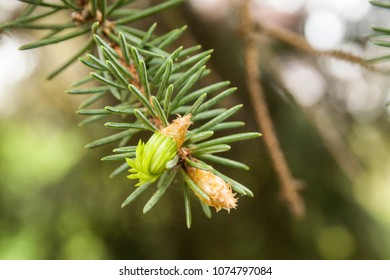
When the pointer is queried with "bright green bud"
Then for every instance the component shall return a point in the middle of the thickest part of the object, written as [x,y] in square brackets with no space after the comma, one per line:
[152,158]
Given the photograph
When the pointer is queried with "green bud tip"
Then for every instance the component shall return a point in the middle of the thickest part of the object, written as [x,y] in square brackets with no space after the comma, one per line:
[151,158]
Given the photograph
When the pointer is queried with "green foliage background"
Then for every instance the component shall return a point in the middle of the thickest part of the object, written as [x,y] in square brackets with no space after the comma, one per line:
[57,202]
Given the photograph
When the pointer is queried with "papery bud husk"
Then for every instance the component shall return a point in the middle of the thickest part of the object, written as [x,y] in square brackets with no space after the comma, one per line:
[178,129]
[220,193]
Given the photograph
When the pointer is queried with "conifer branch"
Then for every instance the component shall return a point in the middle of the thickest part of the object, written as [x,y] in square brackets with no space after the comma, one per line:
[150,85]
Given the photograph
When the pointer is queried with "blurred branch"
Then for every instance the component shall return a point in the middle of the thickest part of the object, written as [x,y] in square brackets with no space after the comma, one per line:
[289,185]
[299,42]
[334,141]
[320,117]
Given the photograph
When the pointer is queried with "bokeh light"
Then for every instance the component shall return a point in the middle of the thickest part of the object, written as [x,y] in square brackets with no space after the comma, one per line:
[15,67]
[7,8]
[295,74]
[213,10]
[285,6]
[351,10]
[324,29]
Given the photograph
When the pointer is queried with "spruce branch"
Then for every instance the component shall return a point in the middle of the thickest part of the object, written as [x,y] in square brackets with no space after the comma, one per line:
[149,86]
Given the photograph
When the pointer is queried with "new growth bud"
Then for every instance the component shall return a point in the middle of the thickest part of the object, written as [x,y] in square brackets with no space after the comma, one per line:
[219,192]
[152,158]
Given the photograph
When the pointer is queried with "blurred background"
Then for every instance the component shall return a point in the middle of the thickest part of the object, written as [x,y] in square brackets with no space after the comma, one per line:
[57,202]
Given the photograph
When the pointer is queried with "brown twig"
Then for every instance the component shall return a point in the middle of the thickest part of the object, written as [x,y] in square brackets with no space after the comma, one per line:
[297,41]
[289,185]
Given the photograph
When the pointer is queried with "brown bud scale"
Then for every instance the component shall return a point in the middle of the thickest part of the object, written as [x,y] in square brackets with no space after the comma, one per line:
[178,129]
[219,192]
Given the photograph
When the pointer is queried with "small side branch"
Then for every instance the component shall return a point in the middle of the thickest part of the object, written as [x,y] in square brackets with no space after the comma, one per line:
[289,185]
[297,41]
